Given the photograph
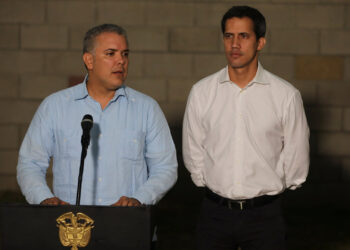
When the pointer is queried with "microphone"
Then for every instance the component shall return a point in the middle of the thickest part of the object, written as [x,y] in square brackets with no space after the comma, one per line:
[86,125]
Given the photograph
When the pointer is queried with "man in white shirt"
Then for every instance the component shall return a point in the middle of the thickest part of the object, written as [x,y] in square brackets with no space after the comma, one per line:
[246,140]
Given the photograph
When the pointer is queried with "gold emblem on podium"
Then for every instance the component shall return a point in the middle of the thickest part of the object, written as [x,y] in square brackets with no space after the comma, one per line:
[74,231]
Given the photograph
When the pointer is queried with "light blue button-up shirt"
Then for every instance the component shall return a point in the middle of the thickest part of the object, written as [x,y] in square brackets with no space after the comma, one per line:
[131,152]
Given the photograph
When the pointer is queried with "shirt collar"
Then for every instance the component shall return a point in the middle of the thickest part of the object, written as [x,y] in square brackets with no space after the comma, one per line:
[260,76]
[82,92]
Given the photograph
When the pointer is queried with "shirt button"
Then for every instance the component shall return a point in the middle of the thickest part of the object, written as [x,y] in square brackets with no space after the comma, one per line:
[100,179]
[100,135]
[99,157]
[99,200]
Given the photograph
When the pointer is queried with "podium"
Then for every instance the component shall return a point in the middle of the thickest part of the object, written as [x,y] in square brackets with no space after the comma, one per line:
[29,227]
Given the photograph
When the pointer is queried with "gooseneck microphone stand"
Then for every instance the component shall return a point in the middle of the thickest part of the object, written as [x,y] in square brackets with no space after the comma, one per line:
[86,125]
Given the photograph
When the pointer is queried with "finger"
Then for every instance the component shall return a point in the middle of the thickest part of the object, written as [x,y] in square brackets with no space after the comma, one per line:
[125,202]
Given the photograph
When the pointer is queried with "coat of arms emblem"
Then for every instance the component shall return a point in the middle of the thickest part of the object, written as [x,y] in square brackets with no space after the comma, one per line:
[74,230]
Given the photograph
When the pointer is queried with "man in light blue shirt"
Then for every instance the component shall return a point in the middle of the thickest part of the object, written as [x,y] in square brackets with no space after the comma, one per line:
[131,159]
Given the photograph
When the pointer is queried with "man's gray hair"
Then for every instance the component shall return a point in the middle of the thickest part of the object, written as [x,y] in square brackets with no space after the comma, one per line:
[91,34]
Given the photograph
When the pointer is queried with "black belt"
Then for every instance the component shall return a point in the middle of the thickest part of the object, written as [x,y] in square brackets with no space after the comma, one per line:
[240,204]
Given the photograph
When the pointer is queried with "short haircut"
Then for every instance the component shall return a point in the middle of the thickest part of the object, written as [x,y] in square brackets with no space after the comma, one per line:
[246,11]
[91,34]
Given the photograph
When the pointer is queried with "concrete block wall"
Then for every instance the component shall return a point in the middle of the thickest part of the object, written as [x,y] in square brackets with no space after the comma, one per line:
[174,43]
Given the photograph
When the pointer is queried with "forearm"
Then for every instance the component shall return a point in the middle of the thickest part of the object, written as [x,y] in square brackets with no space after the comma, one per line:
[162,176]
[32,182]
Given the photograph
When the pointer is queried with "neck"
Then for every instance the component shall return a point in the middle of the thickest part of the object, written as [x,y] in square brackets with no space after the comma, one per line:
[242,76]
[99,94]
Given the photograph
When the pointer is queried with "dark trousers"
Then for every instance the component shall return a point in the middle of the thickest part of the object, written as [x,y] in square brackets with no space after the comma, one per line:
[259,228]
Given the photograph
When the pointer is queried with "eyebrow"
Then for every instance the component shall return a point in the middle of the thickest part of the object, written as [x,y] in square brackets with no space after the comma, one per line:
[114,50]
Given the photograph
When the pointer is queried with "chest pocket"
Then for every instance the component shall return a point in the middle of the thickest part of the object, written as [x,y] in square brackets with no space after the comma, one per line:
[133,144]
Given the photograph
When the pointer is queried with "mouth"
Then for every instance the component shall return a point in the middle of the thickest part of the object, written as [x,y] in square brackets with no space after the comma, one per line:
[235,54]
[118,72]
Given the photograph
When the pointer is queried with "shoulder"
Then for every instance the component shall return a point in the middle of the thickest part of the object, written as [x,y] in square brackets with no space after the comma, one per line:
[69,93]
[210,81]
[140,99]
[280,85]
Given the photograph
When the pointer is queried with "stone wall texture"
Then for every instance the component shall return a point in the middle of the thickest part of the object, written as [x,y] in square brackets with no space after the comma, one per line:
[174,43]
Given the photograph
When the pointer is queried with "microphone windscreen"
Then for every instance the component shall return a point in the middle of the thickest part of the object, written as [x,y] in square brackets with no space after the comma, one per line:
[87,122]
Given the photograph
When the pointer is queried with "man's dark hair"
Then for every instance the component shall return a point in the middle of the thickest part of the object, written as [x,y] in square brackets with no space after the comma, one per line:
[246,11]
[91,34]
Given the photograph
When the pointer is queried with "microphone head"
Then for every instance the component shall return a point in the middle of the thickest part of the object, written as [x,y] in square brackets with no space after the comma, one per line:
[87,122]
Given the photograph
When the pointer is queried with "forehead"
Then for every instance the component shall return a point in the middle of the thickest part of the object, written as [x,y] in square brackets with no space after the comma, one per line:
[110,40]
[238,25]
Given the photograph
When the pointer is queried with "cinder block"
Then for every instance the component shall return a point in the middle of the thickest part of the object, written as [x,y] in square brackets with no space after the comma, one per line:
[347,68]
[347,16]
[194,39]
[308,90]
[294,41]
[8,183]
[71,12]
[327,168]
[329,94]
[44,37]
[322,17]
[347,119]
[148,39]
[22,11]
[76,36]
[8,162]
[170,14]
[278,15]
[14,62]
[335,42]
[294,1]
[121,13]
[208,14]
[156,88]
[69,63]
[168,65]
[23,130]
[334,144]
[282,66]
[10,36]
[179,89]
[9,135]
[14,111]
[8,86]
[40,86]
[174,113]
[319,67]
[207,64]
[136,65]
[326,119]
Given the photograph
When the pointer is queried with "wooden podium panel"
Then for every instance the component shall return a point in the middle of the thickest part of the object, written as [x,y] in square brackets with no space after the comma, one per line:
[35,227]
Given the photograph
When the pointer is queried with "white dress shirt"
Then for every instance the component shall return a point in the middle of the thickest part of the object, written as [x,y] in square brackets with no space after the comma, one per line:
[244,143]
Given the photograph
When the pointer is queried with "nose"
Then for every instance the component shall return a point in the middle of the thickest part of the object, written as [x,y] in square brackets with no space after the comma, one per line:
[120,58]
[235,42]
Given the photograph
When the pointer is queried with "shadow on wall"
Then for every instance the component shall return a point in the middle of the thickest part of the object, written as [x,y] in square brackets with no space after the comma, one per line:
[316,214]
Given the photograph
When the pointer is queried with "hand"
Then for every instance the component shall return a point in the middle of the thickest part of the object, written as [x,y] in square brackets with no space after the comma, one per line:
[54,201]
[127,202]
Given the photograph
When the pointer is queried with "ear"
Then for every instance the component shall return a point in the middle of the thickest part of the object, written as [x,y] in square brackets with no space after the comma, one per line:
[88,60]
[261,43]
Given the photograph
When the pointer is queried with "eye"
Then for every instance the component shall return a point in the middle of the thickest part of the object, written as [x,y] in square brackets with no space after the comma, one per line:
[244,35]
[110,53]
[228,35]
[125,53]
